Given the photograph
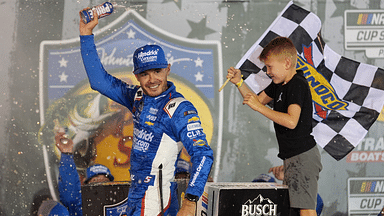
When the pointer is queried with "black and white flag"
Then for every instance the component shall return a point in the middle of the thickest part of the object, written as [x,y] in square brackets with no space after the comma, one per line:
[347,95]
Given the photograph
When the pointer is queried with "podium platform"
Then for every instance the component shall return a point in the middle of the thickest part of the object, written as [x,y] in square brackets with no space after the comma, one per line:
[222,199]
[104,199]
[245,199]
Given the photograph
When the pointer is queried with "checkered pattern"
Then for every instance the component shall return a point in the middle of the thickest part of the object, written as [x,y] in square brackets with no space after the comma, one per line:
[360,85]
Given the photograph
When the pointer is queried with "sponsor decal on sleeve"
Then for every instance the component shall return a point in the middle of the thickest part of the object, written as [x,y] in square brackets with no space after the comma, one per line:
[197,171]
[199,142]
[194,126]
[195,119]
[194,133]
[189,112]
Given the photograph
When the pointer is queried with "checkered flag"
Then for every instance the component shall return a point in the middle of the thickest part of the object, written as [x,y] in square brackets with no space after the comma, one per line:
[347,95]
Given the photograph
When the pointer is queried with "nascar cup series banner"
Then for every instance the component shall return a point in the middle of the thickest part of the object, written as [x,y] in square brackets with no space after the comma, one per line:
[101,129]
[348,96]
[365,195]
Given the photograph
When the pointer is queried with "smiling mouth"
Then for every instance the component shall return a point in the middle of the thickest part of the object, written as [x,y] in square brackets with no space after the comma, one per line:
[153,87]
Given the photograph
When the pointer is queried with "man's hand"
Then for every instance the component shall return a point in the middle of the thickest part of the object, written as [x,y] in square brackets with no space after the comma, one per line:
[234,75]
[188,208]
[278,172]
[63,143]
[86,29]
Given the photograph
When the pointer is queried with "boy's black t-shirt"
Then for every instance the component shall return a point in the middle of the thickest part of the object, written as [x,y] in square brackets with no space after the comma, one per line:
[298,140]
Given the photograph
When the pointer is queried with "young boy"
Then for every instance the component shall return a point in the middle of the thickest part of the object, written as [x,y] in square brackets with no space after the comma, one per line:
[292,117]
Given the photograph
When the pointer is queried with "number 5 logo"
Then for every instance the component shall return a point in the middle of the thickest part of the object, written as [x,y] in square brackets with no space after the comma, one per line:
[147,179]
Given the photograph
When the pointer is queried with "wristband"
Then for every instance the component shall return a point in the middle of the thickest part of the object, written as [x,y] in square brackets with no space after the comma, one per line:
[239,84]
[191,197]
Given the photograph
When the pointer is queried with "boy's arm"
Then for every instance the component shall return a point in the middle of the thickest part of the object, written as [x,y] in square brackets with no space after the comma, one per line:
[235,78]
[289,119]
[258,102]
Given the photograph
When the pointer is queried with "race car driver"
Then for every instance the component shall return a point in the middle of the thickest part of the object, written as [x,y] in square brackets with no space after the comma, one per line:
[162,120]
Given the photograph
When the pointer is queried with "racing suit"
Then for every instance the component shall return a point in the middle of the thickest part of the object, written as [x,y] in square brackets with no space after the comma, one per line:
[162,125]
[69,185]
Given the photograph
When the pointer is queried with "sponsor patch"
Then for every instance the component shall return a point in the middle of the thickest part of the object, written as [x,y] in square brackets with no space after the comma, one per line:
[199,143]
[194,133]
[149,123]
[189,112]
[197,171]
[195,118]
[194,126]
[151,117]
[139,94]
[172,105]
[153,111]
[141,139]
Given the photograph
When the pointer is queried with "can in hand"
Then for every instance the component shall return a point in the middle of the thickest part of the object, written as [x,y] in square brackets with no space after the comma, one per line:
[102,10]
[60,129]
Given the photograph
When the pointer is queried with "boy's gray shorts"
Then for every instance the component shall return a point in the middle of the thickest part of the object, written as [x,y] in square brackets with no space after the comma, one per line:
[301,173]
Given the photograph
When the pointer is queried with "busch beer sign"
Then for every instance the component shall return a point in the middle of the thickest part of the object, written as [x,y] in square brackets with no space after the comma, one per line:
[259,206]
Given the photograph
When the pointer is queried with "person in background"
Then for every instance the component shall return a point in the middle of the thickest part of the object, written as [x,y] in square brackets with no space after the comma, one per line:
[52,208]
[69,180]
[98,173]
[163,121]
[264,178]
[381,212]
[292,117]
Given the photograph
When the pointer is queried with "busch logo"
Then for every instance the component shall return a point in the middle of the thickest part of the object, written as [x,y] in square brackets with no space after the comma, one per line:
[259,206]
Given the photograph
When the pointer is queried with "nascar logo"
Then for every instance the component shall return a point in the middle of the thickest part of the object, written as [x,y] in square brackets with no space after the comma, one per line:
[370,19]
[372,186]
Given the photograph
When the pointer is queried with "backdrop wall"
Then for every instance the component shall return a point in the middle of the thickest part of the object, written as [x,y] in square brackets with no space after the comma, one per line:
[244,141]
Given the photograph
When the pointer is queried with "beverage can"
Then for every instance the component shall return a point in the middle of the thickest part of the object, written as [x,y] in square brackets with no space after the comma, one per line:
[102,10]
[60,129]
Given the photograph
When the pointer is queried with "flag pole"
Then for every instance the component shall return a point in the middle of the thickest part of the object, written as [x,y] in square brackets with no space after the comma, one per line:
[221,88]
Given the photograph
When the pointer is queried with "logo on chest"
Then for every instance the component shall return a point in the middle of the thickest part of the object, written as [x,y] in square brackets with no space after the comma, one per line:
[141,139]
[280,99]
